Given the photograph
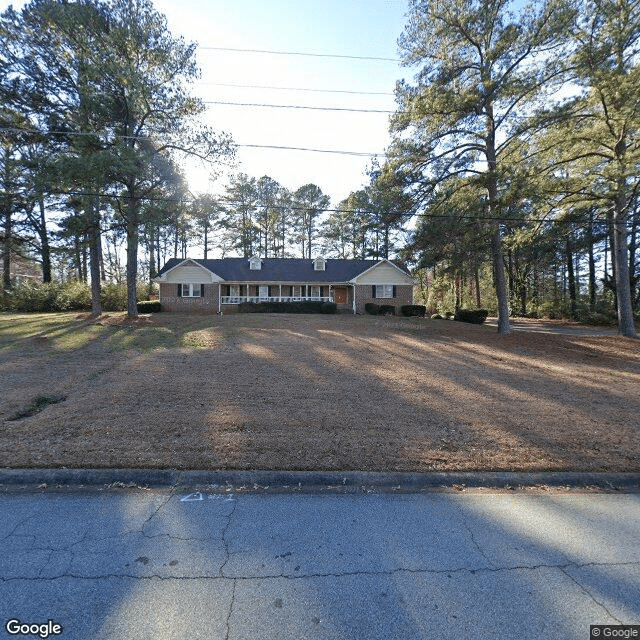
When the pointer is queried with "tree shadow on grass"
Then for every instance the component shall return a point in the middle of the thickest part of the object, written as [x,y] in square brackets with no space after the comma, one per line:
[327,393]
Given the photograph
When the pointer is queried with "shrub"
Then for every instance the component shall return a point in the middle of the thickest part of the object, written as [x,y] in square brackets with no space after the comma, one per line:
[149,306]
[308,306]
[32,297]
[114,296]
[474,316]
[74,296]
[328,307]
[387,310]
[372,309]
[65,296]
[247,307]
[49,296]
[413,310]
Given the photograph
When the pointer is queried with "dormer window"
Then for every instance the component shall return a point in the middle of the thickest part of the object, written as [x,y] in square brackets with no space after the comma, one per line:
[255,264]
[319,264]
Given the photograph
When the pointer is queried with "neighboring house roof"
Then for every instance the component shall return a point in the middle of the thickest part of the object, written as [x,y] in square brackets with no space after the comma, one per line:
[283,269]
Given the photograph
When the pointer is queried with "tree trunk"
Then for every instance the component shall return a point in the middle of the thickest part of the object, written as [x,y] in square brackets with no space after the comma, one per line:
[523,297]
[103,273]
[45,250]
[500,282]
[572,279]
[633,244]
[8,247]
[614,266]
[476,277]
[176,239]
[152,262]
[93,220]
[511,278]
[592,265]
[132,225]
[626,325]
[78,256]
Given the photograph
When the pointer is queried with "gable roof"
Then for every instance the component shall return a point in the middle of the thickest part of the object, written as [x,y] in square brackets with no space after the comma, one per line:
[282,269]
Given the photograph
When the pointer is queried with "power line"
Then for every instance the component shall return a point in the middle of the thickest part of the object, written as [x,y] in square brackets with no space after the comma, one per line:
[430,216]
[298,53]
[295,106]
[334,151]
[249,146]
[310,90]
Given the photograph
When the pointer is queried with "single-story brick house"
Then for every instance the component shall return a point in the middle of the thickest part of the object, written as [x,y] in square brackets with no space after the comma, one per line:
[220,285]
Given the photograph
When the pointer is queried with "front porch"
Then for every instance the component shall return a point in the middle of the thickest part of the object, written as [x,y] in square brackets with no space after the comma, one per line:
[234,294]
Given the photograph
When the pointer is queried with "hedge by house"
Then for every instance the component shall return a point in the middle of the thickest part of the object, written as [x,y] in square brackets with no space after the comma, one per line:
[413,310]
[308,306]
[149,306]
[379,309]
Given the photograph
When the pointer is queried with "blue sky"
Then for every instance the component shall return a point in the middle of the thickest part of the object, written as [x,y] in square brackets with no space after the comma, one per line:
[353,28]
[356,28]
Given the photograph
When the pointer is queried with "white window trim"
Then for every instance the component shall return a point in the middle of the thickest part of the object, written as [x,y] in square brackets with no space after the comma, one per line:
[315,291]
[189,288]
[383,289]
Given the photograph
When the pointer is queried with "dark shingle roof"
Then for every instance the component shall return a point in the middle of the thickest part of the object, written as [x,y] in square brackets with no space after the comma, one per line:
[281,269]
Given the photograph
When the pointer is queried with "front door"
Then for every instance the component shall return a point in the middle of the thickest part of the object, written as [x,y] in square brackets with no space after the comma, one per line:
[340,295]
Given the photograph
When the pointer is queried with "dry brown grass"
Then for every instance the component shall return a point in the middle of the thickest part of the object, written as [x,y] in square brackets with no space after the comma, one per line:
[318,393]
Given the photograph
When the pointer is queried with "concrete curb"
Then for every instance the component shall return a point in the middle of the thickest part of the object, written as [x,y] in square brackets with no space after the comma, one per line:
[309,482]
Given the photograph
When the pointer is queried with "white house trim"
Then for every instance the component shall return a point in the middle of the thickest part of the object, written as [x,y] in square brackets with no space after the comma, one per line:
[407,278]
[213,277]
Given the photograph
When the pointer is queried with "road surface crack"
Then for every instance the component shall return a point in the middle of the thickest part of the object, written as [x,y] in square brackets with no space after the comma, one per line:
[225,542]
[338,574]
[231,604]
[593,598]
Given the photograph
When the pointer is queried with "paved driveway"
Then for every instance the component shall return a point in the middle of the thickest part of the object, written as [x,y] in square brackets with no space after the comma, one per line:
[548,326]
[132,564]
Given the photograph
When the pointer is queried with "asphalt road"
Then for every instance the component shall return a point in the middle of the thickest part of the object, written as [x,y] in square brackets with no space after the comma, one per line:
[134,564]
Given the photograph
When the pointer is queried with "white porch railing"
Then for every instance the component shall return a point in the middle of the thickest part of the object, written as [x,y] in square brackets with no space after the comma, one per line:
[240,299]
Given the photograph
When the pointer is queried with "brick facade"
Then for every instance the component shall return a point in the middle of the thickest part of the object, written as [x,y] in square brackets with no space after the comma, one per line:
[209,302]
[206,304]
[404,295]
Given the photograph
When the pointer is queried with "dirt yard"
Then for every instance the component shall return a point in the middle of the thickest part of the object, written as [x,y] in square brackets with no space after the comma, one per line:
[316,393]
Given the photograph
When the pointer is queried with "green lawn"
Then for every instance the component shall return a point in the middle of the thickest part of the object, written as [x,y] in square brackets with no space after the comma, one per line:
[113,332]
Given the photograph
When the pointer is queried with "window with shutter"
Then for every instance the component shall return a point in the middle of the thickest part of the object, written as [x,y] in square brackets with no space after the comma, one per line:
[190,290]
[384,291]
